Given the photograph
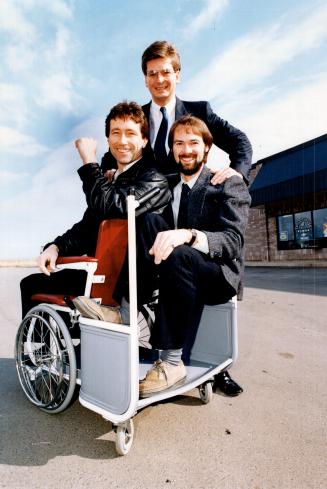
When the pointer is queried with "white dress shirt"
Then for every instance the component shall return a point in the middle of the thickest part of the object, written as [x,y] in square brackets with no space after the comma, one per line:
[201,243]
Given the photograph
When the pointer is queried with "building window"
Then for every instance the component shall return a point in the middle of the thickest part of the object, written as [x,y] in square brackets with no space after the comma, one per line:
[303,227]
[302,230]
[320,223]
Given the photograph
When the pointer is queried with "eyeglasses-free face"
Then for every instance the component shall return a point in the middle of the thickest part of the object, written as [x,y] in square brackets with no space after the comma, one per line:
[161,80]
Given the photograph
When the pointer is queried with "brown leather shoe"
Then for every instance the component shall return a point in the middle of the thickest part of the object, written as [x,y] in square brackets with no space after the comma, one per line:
[89,308]
[161,376]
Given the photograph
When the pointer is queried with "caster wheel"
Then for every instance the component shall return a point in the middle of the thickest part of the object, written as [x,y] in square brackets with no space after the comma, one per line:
[124,437]
[205,391]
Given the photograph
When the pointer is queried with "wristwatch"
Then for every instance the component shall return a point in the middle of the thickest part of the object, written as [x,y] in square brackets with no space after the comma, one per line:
[194,237]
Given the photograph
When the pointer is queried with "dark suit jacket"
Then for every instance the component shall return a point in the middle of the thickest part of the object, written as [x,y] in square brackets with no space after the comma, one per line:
[221,212]
[225,136]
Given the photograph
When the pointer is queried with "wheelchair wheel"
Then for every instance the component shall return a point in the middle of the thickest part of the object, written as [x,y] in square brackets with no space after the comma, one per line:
[45,359]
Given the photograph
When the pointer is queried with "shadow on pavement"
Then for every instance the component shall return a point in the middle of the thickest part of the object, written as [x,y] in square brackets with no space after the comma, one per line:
[30,437]
[311,281]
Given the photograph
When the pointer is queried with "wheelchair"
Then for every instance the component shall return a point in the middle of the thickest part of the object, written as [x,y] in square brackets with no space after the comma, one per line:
[102,364]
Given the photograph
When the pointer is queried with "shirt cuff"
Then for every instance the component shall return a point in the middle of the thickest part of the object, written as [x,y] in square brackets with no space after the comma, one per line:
[201,242]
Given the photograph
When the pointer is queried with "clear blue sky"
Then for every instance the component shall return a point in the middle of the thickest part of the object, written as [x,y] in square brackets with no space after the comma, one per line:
[64,63]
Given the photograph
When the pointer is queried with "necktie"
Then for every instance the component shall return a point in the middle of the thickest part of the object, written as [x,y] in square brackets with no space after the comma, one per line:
[160,144]
[183,206]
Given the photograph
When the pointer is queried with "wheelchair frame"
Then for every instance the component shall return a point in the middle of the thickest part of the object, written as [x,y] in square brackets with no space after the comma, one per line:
[109,378]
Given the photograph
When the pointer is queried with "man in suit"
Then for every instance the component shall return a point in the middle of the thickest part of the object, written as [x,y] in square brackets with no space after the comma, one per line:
[127,133]
[161,67]
[196,248]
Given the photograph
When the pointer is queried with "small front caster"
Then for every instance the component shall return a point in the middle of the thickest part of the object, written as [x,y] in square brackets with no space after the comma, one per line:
[124,437]
[205,391]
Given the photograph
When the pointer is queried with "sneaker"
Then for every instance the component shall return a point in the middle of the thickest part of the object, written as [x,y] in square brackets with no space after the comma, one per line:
[89,308]
[161,376]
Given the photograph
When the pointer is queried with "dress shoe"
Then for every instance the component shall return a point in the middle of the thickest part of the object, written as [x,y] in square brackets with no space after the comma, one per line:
[226,384]
[161,376]
[89,308]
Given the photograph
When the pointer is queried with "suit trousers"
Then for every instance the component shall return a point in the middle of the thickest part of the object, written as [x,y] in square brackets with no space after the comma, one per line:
[187,280]
[65,282]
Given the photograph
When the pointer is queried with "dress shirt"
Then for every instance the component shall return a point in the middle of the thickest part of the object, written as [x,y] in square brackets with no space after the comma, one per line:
[202,240]
[156,118]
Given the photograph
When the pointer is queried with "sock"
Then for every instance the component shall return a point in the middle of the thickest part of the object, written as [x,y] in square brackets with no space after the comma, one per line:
[173,357]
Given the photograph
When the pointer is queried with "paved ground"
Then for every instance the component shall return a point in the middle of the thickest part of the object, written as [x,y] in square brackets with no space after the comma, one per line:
[272,436]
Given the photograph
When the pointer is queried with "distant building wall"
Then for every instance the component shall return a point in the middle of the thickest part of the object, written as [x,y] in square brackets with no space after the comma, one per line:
[262,232]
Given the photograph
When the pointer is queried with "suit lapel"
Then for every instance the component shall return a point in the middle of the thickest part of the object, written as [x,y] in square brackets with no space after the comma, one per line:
[179,109]
[146,110]
[197,198]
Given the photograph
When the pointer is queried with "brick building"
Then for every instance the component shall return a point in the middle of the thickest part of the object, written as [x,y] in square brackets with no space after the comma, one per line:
[288,216]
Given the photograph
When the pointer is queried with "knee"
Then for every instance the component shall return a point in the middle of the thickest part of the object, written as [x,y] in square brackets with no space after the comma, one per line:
[182,257]
[26,282]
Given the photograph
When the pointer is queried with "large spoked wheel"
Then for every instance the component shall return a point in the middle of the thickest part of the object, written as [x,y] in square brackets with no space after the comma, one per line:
[124,437]
[205,392]
[45,359]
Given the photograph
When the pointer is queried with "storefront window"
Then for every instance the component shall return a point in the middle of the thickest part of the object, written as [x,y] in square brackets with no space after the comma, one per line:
[286,228]
[302,230]
[320,223]
[303,226]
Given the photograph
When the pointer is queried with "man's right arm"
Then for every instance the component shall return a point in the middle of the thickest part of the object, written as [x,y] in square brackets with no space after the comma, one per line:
[79,240]
[48,259]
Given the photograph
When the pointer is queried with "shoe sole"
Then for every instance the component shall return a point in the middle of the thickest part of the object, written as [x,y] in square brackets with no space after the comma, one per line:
[157,391]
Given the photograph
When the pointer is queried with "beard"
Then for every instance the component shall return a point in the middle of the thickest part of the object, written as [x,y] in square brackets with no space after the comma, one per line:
[191,169]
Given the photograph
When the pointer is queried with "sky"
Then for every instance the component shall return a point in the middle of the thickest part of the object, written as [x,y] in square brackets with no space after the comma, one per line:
[65,63]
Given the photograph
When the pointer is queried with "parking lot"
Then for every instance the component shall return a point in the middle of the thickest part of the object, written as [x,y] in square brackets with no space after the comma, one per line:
[272,436]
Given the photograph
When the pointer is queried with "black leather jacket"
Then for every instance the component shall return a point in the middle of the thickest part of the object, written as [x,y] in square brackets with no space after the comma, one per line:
[107,200]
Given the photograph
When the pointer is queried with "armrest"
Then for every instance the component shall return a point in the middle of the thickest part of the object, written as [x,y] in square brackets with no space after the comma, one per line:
[87,263]
[64,260]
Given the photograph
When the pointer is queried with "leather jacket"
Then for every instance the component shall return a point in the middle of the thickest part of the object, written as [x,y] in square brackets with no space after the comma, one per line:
[107,200]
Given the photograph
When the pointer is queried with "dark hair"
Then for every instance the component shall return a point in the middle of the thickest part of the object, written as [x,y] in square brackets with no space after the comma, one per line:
[161,49]
[128,110]
[197,125]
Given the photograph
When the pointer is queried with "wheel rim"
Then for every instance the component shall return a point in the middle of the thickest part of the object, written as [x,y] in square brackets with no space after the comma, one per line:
[124,437]
[43,360]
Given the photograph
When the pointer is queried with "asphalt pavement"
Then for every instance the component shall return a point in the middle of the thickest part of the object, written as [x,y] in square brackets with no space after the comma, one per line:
[271,436]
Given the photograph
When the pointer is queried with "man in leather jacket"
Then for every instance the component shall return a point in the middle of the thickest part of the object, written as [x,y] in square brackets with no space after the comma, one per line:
[127,132]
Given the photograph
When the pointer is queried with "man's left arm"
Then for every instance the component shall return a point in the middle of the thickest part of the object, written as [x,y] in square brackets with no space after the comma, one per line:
[232,215]
[231,140]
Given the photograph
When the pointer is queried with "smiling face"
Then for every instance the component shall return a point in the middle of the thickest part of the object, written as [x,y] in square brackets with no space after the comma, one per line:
[161,80]
[189,151]
[125,141]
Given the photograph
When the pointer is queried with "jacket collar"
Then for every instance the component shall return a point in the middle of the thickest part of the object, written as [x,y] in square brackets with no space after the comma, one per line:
[179,109]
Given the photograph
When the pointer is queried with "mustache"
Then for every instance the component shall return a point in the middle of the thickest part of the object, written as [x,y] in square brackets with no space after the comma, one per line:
[187,155]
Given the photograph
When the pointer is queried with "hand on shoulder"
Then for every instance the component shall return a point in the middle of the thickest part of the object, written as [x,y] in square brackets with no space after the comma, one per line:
[221,175]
